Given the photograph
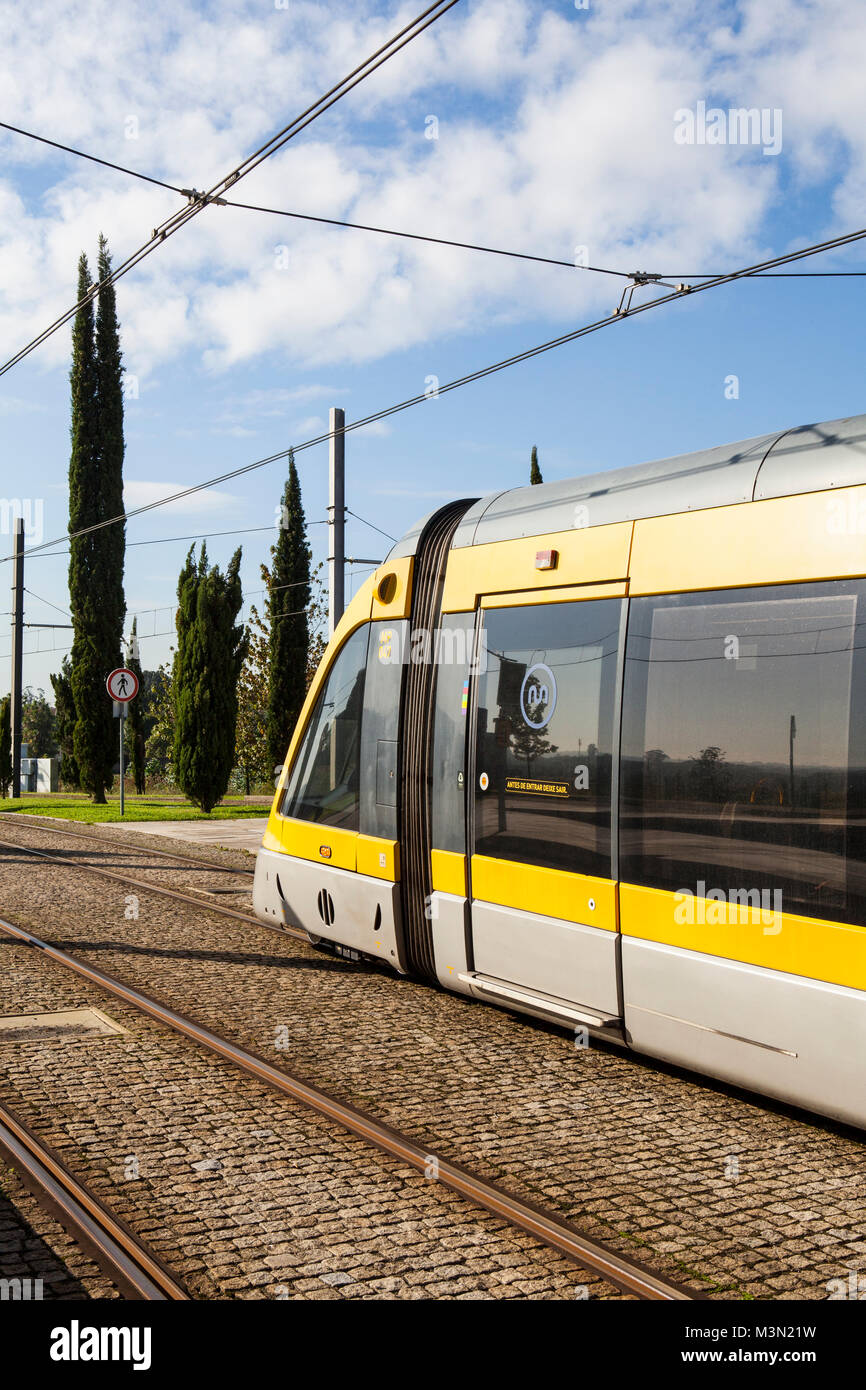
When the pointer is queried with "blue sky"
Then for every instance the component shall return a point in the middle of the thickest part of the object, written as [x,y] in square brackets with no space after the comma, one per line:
[555,130]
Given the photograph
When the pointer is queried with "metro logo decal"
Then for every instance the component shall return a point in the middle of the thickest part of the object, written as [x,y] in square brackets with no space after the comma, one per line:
[538,696]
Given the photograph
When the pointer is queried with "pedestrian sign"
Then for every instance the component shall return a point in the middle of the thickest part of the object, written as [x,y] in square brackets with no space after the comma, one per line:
[122,684]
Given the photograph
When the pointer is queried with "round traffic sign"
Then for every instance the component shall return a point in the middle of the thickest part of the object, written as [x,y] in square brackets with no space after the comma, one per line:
[122,684]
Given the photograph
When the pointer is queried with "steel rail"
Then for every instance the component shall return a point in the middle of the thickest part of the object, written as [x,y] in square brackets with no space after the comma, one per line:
[628,1275]
[120,1254]
[192,899]
[24,818]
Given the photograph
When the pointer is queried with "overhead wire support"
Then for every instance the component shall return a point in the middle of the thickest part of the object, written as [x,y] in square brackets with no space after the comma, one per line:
[196,201]
[638,279]
[195,198]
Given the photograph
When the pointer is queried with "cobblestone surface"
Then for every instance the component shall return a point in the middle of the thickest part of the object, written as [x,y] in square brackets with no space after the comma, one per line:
[709,1185]
[243,1193]
[34,1248]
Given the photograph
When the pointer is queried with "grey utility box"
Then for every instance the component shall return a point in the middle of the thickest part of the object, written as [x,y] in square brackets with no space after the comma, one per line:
[47,777]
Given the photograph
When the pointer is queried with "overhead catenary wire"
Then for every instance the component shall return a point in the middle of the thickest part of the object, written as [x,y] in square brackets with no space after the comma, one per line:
[172,607]
[198,200]
[166,540]
[253,593]
[94,159]
[49,651]
[422,237]
[779,275]
[482,372]
[418,236]
[520,255]
[166,607]
[149,636]
[371,525]
[47,601]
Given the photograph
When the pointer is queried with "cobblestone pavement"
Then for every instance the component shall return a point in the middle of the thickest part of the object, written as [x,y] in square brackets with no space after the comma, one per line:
[34,1248]
[707,1184]
[243,1193]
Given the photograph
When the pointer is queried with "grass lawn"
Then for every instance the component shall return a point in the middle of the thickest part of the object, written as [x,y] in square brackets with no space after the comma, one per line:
[79,807]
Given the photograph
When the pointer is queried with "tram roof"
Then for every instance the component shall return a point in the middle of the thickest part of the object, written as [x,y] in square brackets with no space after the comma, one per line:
[808,458]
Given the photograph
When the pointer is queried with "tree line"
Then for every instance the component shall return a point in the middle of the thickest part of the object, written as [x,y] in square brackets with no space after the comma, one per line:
[232,692]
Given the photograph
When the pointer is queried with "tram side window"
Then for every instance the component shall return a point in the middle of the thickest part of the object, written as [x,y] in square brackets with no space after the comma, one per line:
[544,735]
[324,784]
[744,765]
[454,667]
[380,738]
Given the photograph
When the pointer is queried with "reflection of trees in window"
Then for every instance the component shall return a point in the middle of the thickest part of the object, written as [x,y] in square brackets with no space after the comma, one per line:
[334,780]
[325,781]
[710,775]
[654,773]
[530,744]
[347,730]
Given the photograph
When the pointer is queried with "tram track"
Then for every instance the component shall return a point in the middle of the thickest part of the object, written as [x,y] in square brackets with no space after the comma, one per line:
[126,1259]
[55,829]
[191,899]
[630,1276]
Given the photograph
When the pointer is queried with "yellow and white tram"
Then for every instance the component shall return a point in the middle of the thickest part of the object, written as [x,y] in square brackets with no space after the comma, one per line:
[596,751]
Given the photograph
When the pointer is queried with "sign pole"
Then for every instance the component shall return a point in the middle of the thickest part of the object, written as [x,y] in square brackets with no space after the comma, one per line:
[122,686]
[122,722]
[17,650]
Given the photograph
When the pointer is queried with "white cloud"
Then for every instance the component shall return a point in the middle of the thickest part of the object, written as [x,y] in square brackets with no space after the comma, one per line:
[275,401]
[555,130]
[16,405]
[207,502]
[377,429]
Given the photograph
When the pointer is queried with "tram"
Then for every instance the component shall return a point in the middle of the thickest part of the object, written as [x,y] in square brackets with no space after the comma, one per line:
[595,751]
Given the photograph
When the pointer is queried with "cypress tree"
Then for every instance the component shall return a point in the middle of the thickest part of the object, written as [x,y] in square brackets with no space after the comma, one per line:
[211,648]
[96,493]
[5,744]
[135,714]
[534,470]
[109,387]
[288,584]
[64,705]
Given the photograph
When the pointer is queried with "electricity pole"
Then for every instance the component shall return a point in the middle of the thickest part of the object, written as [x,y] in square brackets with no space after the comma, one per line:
[336,519]
[17,651]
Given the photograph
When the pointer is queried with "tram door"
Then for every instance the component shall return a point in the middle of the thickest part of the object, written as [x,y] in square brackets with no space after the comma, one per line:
[543,900]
